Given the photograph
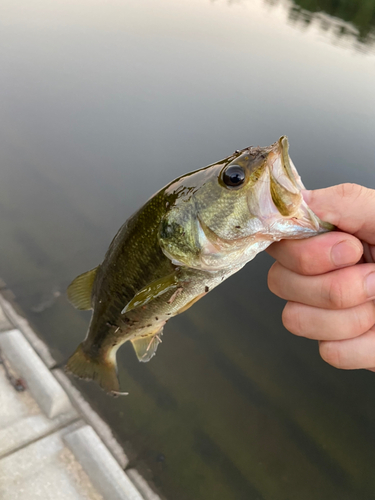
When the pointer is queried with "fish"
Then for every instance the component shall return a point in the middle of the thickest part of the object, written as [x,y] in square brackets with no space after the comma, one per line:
[183,242]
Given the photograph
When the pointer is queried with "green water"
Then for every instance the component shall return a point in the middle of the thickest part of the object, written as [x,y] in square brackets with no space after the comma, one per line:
[103,103]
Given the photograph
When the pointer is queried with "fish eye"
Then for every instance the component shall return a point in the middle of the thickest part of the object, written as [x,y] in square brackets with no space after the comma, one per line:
[234,176]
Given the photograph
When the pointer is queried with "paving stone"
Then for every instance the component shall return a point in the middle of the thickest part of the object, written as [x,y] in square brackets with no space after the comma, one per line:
[21,419]
[45,470]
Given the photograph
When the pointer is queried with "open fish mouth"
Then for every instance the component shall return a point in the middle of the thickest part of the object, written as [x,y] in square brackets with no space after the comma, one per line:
[278,202]
[287,167]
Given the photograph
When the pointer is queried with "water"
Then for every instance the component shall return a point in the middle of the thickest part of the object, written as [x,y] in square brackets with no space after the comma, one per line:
[102,103]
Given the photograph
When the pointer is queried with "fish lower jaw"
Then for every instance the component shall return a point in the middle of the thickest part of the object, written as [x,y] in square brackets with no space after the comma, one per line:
[293,229]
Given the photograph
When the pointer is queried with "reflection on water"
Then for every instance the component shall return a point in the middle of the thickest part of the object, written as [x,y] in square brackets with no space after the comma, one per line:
[340,20]
[352,18]
[102,104]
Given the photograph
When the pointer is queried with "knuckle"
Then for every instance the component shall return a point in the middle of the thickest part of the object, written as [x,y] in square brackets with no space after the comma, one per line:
[364,318]
[351,190]
[335,294]
[304,263]
[330,353]
[292,319]
[272,281]
[352,195]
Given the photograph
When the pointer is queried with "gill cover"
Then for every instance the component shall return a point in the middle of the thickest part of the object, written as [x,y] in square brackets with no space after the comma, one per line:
[209,225]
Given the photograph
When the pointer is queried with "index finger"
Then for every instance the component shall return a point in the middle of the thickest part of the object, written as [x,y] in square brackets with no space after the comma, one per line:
[318,255]
[350,207]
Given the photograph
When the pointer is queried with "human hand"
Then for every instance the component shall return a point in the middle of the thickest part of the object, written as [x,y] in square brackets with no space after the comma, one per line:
[329,280]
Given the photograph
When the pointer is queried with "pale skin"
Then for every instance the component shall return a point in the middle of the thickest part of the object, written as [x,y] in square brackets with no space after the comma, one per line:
[329,280]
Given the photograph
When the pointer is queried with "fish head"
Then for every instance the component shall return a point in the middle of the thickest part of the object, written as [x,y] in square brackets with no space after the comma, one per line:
[223,215]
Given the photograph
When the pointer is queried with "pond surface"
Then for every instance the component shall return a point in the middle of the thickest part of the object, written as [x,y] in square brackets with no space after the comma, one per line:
[103,103]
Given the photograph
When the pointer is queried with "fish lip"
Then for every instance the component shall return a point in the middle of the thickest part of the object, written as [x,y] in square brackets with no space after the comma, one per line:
[289,168]
[304,216]
[319,225]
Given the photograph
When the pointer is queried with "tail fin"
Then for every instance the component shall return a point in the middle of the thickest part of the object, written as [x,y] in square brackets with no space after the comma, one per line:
[102,370]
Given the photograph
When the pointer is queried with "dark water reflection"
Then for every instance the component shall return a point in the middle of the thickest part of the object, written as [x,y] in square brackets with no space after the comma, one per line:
[354,18]
[339,20]
[102,104]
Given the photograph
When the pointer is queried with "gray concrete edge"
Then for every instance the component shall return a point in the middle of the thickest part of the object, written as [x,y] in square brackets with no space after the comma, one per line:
[21,323]
[104,472]
[44,387]
[102,430]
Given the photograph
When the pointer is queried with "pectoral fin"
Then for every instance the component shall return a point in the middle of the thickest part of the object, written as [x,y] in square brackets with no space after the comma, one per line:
[145,347]
[151,291]
[80,290]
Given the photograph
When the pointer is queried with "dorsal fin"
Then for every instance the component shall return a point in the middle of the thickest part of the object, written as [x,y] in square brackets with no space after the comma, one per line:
[145,347]
[80,290]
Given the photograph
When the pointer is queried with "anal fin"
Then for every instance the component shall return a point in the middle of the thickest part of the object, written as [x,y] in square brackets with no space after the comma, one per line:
[145,347]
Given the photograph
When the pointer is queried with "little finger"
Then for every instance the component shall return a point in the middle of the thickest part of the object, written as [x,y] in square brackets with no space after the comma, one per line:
[350,354]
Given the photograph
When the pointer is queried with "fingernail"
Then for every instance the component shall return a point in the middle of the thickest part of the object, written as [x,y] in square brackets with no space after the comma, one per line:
[370,285]
[345,253]
[306,195]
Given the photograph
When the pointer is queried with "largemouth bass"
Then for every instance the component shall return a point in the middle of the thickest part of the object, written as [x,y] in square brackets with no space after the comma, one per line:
[183,242]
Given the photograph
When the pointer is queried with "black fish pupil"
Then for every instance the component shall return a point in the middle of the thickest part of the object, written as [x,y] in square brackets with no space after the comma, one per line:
[234,176]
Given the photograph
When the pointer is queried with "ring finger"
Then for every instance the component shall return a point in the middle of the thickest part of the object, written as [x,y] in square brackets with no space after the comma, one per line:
[327,324]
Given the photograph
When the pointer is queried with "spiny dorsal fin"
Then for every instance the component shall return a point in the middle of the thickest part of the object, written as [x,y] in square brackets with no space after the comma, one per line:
[80,290]
[145,347]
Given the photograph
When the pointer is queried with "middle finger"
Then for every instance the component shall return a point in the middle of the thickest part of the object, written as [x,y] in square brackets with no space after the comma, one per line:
[340,289]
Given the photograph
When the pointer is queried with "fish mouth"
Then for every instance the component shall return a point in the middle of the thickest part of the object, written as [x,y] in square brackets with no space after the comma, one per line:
[279,201]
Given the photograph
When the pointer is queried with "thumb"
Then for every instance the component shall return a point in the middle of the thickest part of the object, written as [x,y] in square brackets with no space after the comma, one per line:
[350,207]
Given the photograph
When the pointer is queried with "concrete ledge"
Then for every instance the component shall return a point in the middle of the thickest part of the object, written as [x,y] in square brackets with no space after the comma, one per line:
[5,324]
[34,463]
[42,384]
[22,324]
[101,467]
[142,485]
[92,418]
